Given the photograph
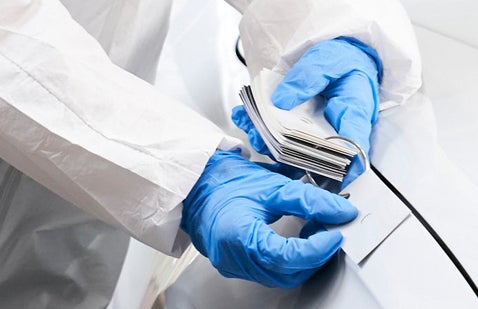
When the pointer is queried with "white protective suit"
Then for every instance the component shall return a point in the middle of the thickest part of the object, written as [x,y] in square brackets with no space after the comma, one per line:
[76,122]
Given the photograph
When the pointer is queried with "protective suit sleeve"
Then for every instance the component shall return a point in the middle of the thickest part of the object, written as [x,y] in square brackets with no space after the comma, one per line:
[93,133]
[276,33]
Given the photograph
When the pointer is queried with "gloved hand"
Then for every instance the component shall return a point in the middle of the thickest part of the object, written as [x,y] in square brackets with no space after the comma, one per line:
[228,211]
[346,73]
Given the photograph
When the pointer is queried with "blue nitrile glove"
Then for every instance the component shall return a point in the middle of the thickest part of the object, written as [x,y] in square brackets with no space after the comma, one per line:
[346,73]
[228,212]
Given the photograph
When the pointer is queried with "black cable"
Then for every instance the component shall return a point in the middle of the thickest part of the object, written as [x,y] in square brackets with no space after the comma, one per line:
[238,52]
[430,230]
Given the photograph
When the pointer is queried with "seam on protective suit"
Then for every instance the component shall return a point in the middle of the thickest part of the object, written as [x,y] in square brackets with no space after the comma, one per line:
[93,129]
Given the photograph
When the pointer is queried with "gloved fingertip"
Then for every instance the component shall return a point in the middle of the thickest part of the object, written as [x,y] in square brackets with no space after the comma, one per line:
[281,100]
[335,237]
[327,243]
[356,169]
[237,114]
[349,212]
[348,180]
[345,211]
[241,119]
[257,142]
[328,207]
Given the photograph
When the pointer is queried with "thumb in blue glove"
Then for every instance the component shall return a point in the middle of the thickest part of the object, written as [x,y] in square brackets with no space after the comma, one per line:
[228,212]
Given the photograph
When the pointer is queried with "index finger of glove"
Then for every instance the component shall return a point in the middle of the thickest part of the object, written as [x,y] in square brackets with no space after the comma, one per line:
[352,107]
[311,203]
